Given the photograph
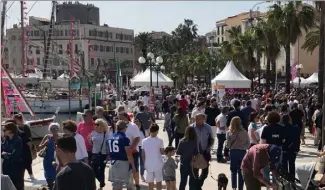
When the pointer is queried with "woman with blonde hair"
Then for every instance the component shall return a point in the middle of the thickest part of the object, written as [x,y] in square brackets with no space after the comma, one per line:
[238,143]
[98,138]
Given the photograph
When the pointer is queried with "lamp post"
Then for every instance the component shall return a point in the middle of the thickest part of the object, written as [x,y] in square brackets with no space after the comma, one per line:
[174,76]
[299,67]
[151,62]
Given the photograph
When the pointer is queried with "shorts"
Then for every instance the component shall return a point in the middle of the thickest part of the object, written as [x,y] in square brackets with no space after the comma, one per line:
[119,173]
[169,178]
[156,176]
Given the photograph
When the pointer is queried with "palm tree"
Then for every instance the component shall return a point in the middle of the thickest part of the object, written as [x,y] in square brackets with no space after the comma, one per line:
[289,20]
[143,40]
[315,39]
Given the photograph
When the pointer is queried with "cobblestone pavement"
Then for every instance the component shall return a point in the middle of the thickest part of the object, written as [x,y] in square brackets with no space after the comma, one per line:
[306,155]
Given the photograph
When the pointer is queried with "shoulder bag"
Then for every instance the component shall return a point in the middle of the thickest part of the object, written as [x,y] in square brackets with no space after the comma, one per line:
[97,158]
[199,161]
[42,153]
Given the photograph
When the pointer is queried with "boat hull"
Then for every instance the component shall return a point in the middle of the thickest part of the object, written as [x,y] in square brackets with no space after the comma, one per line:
[49,106]
[39,128]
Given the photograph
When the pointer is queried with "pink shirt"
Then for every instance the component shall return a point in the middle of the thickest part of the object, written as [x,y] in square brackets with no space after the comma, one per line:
[84,129]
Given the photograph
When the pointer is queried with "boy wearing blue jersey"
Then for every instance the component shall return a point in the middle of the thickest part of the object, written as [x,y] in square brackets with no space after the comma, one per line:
[120,154]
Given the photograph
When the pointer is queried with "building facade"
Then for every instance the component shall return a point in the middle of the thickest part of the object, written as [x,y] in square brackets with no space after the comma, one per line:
[104,48]
[298,55]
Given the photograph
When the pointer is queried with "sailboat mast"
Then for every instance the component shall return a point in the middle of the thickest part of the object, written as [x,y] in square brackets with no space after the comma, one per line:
[22,23]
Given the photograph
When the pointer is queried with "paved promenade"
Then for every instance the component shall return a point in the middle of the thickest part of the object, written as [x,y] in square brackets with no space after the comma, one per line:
[306,155]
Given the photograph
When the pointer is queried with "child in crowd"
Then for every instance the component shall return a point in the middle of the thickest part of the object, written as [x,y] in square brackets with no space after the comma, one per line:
[169,169]
[152,151]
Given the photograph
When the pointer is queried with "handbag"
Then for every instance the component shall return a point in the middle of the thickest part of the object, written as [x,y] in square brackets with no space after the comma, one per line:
[199,161]
[97,158]
[42,153]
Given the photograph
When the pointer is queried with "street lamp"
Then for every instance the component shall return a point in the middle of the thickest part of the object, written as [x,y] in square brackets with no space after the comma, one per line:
[151,62]
[158,68]
[174,76]
[299,67]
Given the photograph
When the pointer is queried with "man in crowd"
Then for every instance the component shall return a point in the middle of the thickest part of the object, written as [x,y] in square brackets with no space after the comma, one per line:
[211,113]
[144,117]
[74,175]
[236,112]
[205,141]
[256,159]
[120,154]
[183,103]
[247,112]
[133,134]
[85,128]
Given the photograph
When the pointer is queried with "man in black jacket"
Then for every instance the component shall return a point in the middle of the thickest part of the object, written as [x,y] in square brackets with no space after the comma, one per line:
[247,112]
[235,113]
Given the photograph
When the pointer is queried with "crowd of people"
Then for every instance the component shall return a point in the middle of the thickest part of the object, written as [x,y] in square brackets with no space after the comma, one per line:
[252,133]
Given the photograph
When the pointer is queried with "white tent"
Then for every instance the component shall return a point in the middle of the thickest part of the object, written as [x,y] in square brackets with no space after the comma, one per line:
[142,89]
[313,78]
[303,82]
[64,76]
[143,79]
[230,77]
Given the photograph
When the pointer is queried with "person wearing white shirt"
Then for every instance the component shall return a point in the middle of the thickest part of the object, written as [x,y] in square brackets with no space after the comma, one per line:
[254,102]
[133,134]
[70,128]
[221,124]
[152,151]
[199,109]
[145,100]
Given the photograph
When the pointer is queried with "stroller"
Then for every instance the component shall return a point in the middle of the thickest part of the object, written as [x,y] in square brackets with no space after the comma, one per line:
[304,179]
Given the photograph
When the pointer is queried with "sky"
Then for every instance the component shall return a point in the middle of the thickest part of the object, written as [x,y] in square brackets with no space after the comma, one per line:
[147,16]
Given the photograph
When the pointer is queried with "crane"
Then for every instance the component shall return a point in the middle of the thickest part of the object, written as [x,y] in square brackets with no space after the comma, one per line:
[48,43]
[3,17]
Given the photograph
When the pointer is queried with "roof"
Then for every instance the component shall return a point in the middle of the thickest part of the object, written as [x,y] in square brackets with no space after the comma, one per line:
[260,14]
[41,19]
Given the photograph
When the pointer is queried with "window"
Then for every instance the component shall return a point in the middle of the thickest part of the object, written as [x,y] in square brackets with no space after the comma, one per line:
[77,32]
[36,33]
[76,50]
[32,33]
[127,50]
[101,48]
[92,62]
[218,40]
[222,30]
[61,33]
[38,51]
[98,61]
[60,49]
[131,50]
[95,47]
[117,49]
[222,39]
[122,49]
[110,35]
[218,30]
[66,32]
[100,34]
[106,34]
[38,61]
[107,48]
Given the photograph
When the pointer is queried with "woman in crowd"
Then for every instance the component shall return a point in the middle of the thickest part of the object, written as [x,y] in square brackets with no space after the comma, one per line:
[48,146]
[98,138]
[291,146]
[11,154]
[238,143]
[253,118]
[169,124]
[142,136]
[181,123]
[187,148]
[27,156]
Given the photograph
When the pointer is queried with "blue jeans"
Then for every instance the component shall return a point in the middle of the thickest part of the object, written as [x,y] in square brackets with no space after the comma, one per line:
[221,141]
[141,161]
[236,157]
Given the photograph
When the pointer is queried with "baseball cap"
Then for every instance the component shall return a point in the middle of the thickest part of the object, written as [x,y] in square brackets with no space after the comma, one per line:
[274,154]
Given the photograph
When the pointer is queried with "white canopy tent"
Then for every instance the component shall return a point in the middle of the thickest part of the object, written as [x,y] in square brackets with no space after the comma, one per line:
[303,82]
[230,77]
[313,78]
[143,79]
[142,89]
[64,77]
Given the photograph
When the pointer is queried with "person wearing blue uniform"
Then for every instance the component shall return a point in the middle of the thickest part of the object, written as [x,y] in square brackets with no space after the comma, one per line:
[121,158]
